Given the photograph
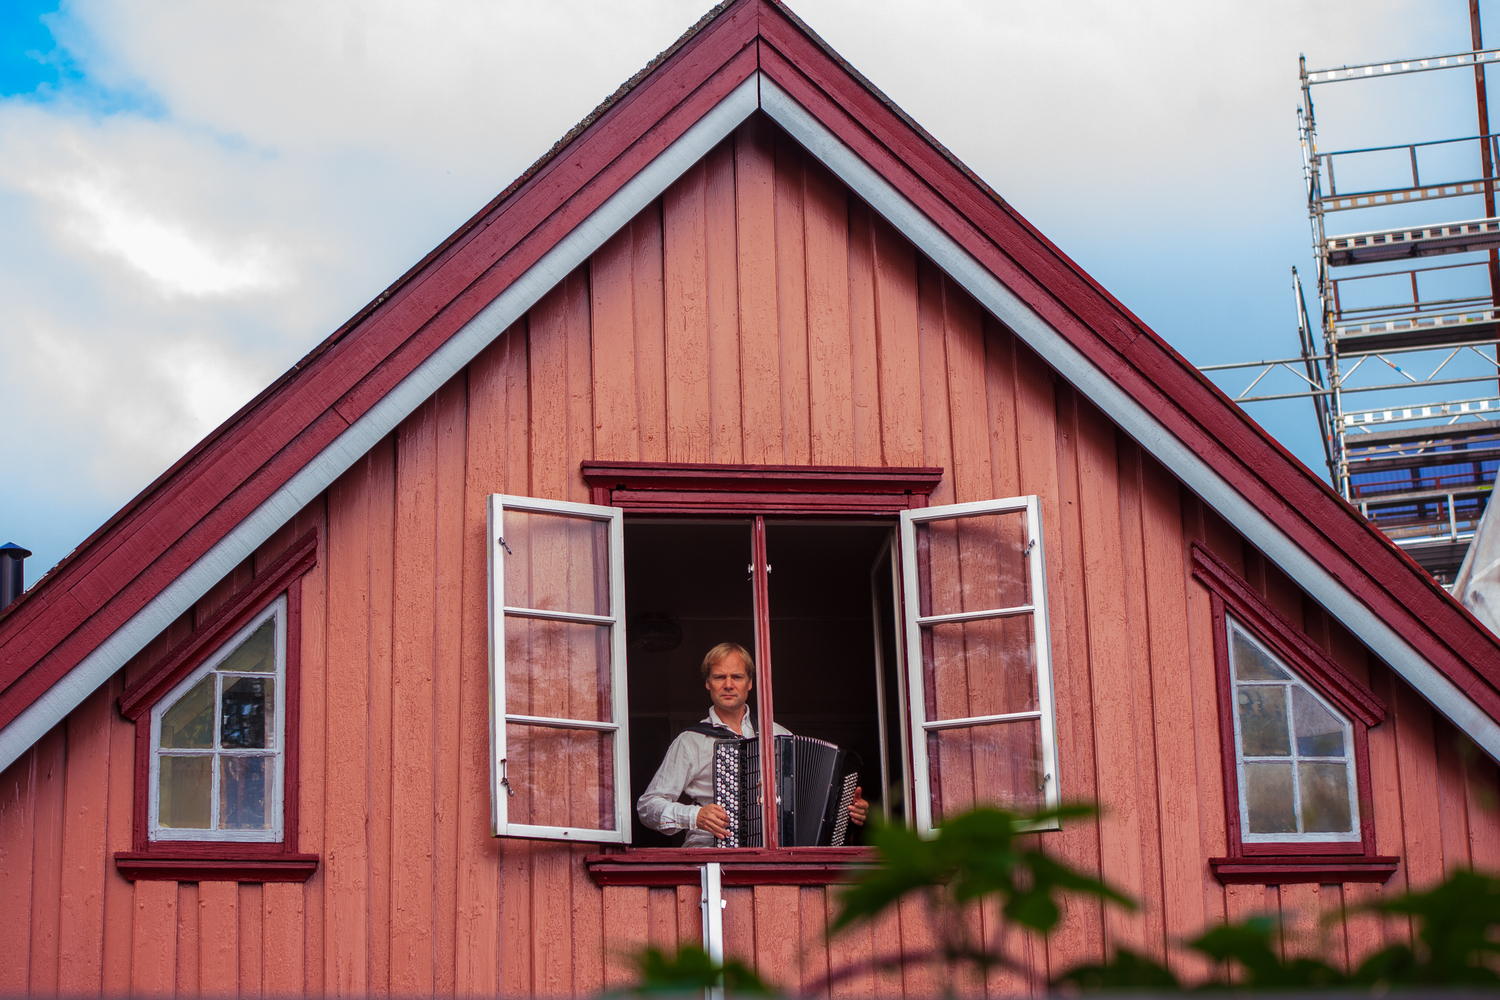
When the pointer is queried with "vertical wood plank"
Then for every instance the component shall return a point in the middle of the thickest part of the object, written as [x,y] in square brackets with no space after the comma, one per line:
[932,322]
[689,915]
[345,865]
[896,325]
[252,940]
[1142,667]
[219,939]
[851,954]
[661,918]
[886,948]
[968,407]
[791,303]
[650,333]
[999,381]
[380,720]
[16,833]
[627,923]
[812,918]
[313,760]
[48,787]
[449,671]
[920,976]
[739,924]
[282,946]
[760,339]
[189,980]
[864,347]
[1180,795]
[414,627]
[1453,817]
[119,895]
[617,429]
[1482,802]
[495,424]
[726,433]
[777,927]
[153,957]
[588,928]
[829,350]
[551,914]
[685,304]
[85,847]
[1420,801]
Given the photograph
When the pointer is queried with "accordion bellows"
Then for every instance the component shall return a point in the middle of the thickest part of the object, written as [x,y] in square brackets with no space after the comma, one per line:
[815,792]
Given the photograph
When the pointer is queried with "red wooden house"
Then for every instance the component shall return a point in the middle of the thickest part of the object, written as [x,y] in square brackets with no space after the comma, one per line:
[355,699]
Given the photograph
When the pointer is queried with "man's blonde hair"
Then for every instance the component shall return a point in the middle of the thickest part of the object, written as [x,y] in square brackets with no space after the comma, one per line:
[712,658]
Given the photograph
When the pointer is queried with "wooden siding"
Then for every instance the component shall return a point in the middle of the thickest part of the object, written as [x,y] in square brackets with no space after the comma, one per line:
[756,313]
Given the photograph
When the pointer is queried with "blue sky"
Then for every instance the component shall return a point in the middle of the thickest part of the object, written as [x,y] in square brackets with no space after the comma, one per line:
[195,194]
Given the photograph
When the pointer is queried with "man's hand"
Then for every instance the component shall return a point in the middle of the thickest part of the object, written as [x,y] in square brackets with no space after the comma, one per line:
[714,819]
[859,809]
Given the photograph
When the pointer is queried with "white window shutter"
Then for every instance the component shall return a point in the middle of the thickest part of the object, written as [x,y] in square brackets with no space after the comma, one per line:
[559,740]
[978,659]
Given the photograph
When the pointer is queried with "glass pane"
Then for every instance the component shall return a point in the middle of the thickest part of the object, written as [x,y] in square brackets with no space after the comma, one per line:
[556,563]
[557,669]
[243,791]
[999,764]
[257,654]
[189,723]
[1320,733]
[1325,797]
[561,777]
[985,667]
[1268,797]
[975,563]
[184,792]
[1263,731]
[246,717]
[1251,662]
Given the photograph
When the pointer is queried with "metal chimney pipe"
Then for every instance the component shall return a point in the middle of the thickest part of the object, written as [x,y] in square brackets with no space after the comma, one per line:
[12,572]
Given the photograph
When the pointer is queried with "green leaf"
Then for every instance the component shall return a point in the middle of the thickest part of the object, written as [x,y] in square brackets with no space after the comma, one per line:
[1127,971]
[691,970]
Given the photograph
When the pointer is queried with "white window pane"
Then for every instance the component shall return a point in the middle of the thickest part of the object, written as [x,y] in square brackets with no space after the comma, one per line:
[243,793]
[246,712]
[1251,662]
[189,723]
[257,654]
[984,667]
[556,562]
[1263,728]
[1270,797]
[186,788]
[560,777]
[998,764]
[1325,797]
[975,563]
[1320,733]
[560,670]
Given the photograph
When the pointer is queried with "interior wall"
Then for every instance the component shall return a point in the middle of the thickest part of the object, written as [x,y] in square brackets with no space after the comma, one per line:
[756,313]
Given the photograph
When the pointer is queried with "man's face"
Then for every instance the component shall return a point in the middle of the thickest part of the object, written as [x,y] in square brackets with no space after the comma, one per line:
[729,684]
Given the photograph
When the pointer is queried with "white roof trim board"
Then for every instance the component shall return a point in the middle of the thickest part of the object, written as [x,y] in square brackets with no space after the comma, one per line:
[755,92]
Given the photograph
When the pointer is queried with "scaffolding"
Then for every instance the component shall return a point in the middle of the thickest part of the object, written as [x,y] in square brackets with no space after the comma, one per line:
[1402,368]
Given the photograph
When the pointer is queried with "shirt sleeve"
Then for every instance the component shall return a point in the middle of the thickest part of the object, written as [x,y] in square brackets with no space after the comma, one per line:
[658,806]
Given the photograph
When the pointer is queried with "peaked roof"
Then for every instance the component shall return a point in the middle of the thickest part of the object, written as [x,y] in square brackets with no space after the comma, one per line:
[151,561]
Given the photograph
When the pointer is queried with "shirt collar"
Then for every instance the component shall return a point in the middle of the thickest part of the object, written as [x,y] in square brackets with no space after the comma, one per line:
[747,725]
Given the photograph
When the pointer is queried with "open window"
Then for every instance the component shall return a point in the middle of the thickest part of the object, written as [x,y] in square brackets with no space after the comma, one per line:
[558,718]
[978,660]
[1294,731]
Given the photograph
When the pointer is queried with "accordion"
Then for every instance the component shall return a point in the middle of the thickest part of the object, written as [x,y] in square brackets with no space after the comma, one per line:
[810,775]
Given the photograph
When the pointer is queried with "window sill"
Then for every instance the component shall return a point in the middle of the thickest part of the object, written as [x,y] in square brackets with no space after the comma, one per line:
[664,866]
[182,866]
[1296,868]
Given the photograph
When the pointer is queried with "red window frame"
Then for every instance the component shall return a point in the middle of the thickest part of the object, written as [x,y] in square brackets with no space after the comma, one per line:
[224,861]
[752,491]
[1283,863]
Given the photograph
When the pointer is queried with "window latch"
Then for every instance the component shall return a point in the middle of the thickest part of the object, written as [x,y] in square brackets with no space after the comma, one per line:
[501,540]
[1031,544]
[504,778]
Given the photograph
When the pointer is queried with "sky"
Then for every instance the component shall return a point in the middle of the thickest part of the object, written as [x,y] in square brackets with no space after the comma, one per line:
[194,194]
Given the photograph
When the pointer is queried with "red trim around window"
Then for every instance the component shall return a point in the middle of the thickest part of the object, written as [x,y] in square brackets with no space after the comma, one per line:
[660,866]
[1273,864]
[806,490]
[193,861]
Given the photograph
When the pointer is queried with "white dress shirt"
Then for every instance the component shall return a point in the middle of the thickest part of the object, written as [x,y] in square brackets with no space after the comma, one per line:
[688,767]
